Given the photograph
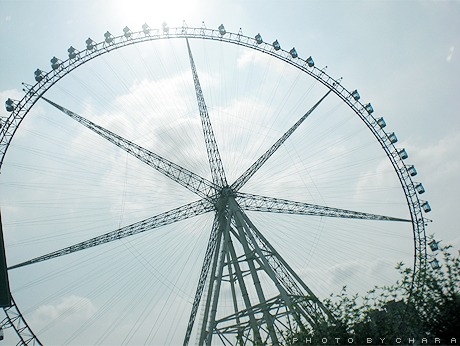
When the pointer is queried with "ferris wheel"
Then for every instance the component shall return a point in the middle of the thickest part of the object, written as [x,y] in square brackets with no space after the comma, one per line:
[196,186]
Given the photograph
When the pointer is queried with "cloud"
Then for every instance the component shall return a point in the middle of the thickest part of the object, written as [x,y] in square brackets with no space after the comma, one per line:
[451,53]
[71,308]
[358,275]
[248,57]
[357,271]
[441,159]
[439,166]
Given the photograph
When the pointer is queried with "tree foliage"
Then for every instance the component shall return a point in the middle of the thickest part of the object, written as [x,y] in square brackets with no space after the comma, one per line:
[397,314]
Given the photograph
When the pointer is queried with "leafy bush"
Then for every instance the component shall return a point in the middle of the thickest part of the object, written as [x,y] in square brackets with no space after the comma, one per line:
[397,314]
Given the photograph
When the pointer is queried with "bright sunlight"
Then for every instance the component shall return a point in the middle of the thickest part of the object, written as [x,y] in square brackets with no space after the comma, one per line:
[155,12]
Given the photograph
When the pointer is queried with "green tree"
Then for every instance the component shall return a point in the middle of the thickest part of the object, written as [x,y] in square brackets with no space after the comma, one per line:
[430,313]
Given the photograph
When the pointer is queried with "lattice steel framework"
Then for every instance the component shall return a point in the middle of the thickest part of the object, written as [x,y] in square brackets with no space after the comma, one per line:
[237,254]
[15,320]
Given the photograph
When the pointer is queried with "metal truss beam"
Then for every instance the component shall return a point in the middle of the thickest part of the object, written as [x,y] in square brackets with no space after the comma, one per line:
[260,319]
[184,212]
[214,239]
[244,178]
[311,308]
[226,257]
[252,202]
[215,161]
[276,306]
[5,294]
[193,182]
[15,320]
[267,317]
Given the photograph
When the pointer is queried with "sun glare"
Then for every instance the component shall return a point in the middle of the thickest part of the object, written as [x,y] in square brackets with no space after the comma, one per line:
[155,12]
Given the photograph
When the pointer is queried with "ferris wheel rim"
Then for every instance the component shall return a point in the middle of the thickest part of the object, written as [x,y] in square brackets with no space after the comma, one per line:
[77,58]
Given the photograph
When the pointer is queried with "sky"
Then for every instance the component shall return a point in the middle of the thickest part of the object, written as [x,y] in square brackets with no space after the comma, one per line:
[402,56]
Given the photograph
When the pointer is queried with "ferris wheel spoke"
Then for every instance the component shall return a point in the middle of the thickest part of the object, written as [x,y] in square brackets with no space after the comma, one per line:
[215,161]
[181,213]
[214,239]
[276,205]
[244,178]
[193,182]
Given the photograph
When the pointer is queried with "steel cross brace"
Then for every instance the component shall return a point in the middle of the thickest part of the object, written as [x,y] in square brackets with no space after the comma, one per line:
[193,182]
[215,161]
[184,212]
